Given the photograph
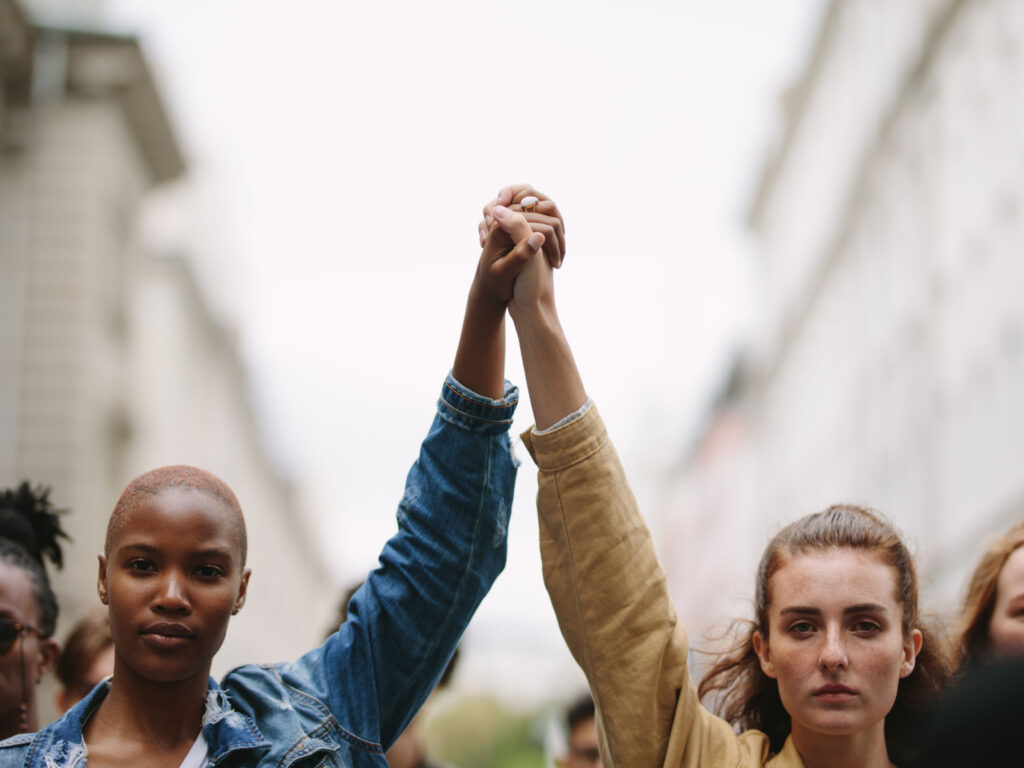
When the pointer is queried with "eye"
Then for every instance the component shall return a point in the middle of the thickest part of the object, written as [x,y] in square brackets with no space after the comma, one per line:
[867,626]
[209,572]
[142,565]
[801,628]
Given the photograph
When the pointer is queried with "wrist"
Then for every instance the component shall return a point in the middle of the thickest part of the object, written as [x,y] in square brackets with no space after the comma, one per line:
[482,300]
[536,311]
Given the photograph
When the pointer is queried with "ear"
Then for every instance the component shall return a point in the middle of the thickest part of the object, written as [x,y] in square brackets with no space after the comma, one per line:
[48,653]
[911,647]
[764,654]
[243,587]
[101,579]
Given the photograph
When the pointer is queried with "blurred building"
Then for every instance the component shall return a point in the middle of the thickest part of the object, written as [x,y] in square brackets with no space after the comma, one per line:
[886,365]
[112,361]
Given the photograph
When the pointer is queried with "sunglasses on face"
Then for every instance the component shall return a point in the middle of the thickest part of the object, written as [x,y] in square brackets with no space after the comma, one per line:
[10,630]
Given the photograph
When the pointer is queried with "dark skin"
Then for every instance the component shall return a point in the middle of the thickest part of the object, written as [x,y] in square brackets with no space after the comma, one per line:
[172,580]
[174,575]
[510,240]
[552,378]
[29,658]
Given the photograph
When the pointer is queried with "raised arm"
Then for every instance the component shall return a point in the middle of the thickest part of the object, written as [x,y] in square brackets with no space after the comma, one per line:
[406,620]
[508,246]
[600,567]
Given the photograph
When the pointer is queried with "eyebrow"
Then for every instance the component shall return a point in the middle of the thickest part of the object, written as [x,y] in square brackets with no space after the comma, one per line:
[151,550]
[859,608]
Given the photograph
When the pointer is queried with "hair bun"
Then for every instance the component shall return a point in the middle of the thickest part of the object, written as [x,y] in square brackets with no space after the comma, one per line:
[28,518]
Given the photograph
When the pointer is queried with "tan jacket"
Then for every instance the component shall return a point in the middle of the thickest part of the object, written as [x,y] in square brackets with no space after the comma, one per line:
[609,594]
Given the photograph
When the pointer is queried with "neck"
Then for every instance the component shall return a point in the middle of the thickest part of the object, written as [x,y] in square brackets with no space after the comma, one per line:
[11,722]
[865,749]
[161,714]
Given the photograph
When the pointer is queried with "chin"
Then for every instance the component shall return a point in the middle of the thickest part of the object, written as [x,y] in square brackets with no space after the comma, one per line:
[838,723]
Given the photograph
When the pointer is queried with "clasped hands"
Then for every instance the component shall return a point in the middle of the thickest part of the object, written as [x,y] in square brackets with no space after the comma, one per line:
[520,248]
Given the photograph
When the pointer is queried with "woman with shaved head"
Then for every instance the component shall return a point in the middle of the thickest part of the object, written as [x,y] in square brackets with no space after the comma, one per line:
[173,572]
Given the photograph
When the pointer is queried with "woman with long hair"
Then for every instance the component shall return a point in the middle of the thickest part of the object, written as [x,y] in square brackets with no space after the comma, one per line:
[991,623]
[834,667]
[173,571]
[30,532]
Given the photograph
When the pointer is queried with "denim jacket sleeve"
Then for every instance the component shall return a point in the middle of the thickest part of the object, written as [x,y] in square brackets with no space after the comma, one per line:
[405,622]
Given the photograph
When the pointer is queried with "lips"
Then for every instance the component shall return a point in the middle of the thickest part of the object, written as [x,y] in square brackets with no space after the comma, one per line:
[834,692]
[167,635]
[169,630]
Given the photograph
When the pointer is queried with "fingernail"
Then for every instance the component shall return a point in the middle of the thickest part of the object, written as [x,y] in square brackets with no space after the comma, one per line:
[536,240]
[500,212]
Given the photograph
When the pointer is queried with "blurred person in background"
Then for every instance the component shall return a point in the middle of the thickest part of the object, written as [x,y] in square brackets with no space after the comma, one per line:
[409,749]
[836,669]
[981,720]
[991,623]
[580,721]
[173,572]
[29,532]
[86,659]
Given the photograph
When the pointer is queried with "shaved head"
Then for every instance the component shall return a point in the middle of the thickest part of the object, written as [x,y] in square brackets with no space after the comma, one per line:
[178,477]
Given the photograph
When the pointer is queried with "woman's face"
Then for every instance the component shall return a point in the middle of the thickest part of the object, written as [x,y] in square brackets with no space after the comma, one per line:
[29,657]
[1006,629]
[172,579]
[835,643]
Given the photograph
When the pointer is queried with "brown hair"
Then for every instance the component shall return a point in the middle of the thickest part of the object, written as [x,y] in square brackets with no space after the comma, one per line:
[750,699]
[88,639]
[972,640]
[156,481]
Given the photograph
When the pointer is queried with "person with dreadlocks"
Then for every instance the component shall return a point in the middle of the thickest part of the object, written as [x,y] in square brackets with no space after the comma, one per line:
[29,531]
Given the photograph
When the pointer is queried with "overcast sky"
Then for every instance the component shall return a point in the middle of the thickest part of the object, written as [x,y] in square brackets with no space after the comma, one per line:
[339,155]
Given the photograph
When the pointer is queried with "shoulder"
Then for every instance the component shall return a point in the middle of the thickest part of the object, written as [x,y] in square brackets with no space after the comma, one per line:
[787,758]
[289,686]
[12,750]
[56,744]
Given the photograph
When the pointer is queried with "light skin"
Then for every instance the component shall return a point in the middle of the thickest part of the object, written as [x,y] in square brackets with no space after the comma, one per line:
[552,378]
[31,656]
[1006,627]
[102,666]
[583,749]
[838,651]
[509,242]
[843,622]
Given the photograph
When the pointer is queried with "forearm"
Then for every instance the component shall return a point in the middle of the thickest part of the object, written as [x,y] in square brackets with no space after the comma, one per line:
[480,357]
[405,622]
[608,590]
[552,378]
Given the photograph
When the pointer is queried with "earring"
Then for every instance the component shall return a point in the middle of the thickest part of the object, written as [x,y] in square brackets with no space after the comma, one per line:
[23,716]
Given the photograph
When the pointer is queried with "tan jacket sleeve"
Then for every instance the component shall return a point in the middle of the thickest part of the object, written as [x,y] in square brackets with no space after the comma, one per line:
[610,597]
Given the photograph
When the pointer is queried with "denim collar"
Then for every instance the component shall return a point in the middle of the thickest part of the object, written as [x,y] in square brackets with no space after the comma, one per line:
[225,729]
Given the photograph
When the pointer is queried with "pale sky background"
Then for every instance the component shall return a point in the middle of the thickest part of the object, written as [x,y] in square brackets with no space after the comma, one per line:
[339,154]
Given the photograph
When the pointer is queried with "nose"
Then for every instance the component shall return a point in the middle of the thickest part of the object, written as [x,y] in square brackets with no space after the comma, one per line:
[172,593]
[833,652]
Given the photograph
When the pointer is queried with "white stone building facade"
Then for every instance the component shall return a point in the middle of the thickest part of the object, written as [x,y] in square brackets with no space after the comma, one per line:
[112,361]
[887,362]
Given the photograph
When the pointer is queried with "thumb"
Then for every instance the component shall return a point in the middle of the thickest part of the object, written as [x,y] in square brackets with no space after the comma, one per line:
[512,263]
[515,224]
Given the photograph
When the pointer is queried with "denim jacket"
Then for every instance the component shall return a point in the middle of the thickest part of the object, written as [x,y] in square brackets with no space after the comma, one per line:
[345,702]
